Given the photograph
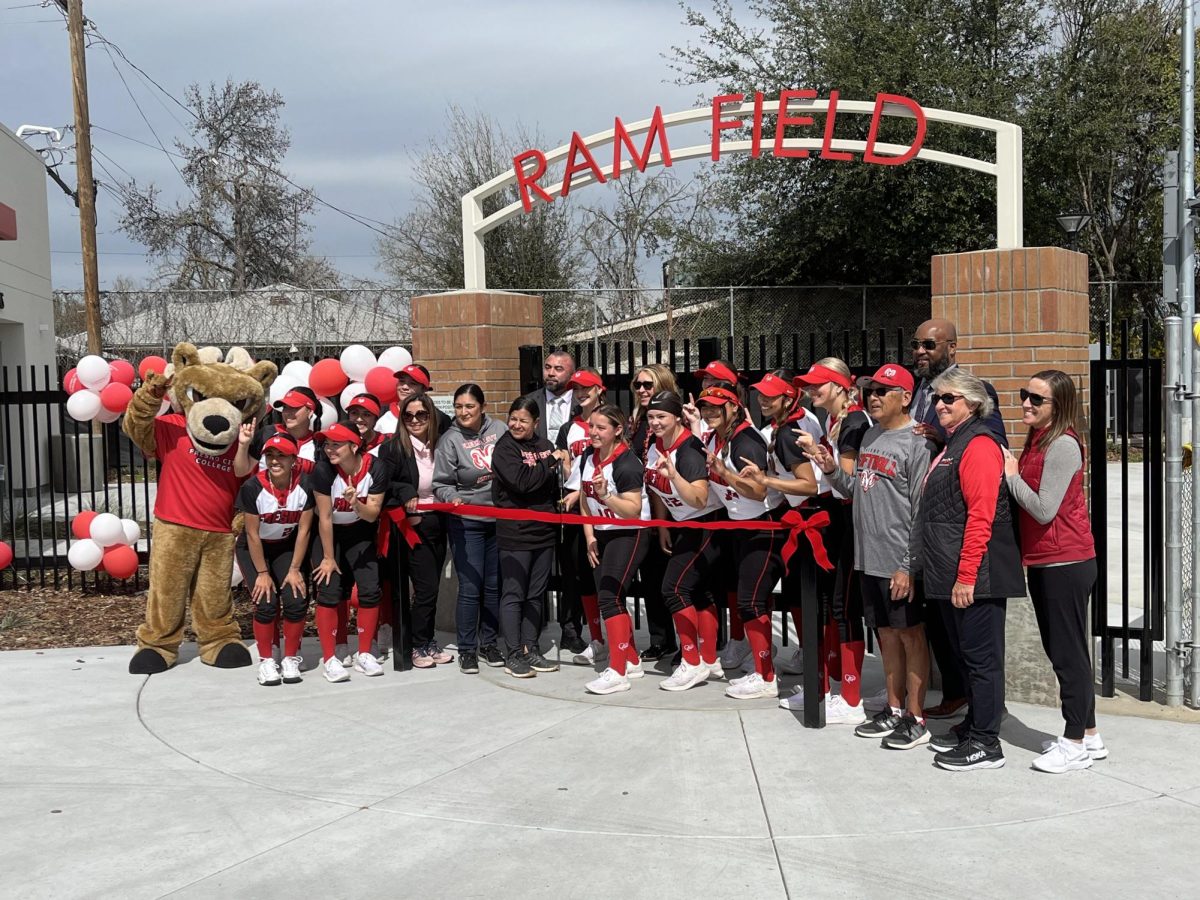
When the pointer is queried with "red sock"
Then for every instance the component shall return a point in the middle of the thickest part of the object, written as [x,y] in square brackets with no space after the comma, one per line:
[687,627]
[591,611]
[708,622]
[327,628]
[368,621]
[833,651]
[758,631]
[264,632]
[620,642]
[798,621]
[293,635]
[354,596]
[343,623]
[737,631]
[852,659]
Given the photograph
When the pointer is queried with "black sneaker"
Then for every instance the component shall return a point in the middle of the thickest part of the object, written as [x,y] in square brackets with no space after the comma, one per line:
[971,754]
[651,653]
[951,739]
[572,643]
[491,655]
[468,662]
[517,665]
[908,734]
[883,724]
[539,663]
[676,659]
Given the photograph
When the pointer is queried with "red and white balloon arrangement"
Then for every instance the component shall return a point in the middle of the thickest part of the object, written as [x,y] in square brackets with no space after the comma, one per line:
[100,390]
[106,542]
[356,371]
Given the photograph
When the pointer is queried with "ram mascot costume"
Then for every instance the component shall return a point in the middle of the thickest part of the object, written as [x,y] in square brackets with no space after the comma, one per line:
[196,445]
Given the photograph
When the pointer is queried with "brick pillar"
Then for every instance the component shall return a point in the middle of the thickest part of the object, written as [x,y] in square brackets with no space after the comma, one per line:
[1017,312]
[464,336]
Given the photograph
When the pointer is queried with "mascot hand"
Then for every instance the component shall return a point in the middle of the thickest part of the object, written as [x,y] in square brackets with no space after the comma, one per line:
[158,384]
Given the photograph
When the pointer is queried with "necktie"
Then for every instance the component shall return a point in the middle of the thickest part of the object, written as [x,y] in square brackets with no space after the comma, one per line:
[555,416]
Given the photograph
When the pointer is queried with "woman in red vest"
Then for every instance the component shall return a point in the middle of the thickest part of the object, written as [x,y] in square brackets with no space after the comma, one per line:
[1057,549]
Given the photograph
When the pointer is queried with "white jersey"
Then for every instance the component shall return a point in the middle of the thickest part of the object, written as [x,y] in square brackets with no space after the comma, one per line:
[746,445]
[330,480]
[624,475]
[278,511]
[787,454]
[691,462]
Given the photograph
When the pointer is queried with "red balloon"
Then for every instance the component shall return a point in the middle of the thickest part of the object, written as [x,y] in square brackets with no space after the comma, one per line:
[155,364]
[115,396]
[327,378]
[6,556]
[381,382]
[120,561]
[121,372]
[71,382]
[81,525]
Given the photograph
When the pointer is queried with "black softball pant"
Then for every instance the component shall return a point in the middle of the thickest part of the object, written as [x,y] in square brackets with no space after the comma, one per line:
[622,551]
[574,580]
[756,560]
[846,603]
[524,575]
[278,556]
[694,553]
[355,553]
[1060,601]
[425,564]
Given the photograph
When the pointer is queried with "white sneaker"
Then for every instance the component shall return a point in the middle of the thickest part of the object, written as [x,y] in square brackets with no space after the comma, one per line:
[875,702]
[343,654]
[367,664]
[381,647]
[335,671]
[735,654]
[1092,743]
[268,673]
[794,702]
[1063,756]
[634,670]
[291,669]
[742,678]
[591,653]
[753,687]
[714,669]
[792,664]
[839,712]
[609,682]
[684,677]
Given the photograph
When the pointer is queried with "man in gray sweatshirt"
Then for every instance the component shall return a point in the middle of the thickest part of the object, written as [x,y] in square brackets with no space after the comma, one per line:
[886,489]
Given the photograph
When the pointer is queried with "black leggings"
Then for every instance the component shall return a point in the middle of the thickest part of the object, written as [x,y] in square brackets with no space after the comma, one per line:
[650,577]
[575,578]
[425,562]
[756,560]
[278,555]
[621,550]
[846,603]
[1060,601]
[523,578]
[694,552]
[355,554]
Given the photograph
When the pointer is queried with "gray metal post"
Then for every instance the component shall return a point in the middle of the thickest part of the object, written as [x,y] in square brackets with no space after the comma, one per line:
[1189,341]
[1173,409]
[732,336]
[1190,353]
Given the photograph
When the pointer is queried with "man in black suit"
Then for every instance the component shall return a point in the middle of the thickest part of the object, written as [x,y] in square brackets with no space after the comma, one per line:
[556,396]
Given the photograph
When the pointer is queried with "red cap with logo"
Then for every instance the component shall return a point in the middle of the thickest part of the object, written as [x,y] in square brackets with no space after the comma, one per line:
[586,379]
[284,443]
[339,433]
[297,399]
[417,374]
[717,396]
[719,371]
[365,401]
[890,375]
[774,386]
[818,374]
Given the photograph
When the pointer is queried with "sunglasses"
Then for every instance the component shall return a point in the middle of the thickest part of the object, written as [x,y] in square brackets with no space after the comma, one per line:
[928,344]
[416,417]
[879,391]
[1035,400]
[946,399]
[643,385]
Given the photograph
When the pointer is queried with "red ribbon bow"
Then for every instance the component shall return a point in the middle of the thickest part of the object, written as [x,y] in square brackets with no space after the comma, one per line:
[810,528]
[395,515]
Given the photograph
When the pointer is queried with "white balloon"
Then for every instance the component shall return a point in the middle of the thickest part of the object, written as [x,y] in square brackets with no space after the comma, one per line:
[85,555]
[133,531]
[106,416]
[395,358]
[83,406]
[236,578]
[387,423]
[107,530]
[347,395]
[281,386]
[297,369]
[93,372]
[328,414]
[357,361]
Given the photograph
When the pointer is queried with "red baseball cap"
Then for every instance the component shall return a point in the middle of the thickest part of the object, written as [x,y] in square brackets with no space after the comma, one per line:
[367,402]
[297,398]
[717,396]
[719,371]
[284,443]
[417,374]
[774,386]
[586,379]
[890,375]
[339,433]
[823,375]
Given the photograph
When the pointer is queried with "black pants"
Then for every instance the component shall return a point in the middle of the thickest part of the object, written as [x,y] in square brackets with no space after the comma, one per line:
[650,575]
[953,687]
[694,552]
[845,593]
[977,639]
[425,563]
[755,559]
[622,550]
[278,556]
[355,554]
[1060,600]
[575,579]
[523,578]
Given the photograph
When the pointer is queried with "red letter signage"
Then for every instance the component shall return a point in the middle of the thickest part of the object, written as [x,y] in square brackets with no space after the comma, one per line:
[578,146]
[784,120]
[621,138]
[870,155]
[717,125]
[528,180]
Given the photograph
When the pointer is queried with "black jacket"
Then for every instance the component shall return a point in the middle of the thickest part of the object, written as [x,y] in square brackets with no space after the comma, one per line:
[404,477]
[543,425]
[525,476]
[995,422]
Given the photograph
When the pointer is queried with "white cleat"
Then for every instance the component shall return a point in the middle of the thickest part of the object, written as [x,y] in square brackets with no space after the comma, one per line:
[684,677]
[715,669]
[335,671]
[367,664]
[609,682]
[343,654]
[634,670]
[753,687]
[291,669]
[591,654]
[268,673]
[839,712]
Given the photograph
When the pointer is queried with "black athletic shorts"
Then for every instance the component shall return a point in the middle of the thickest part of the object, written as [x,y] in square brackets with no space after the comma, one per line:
[880,611]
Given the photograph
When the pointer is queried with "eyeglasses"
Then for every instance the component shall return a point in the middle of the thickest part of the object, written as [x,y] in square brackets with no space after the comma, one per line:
[643,385]
[928,344]
[879,391]
[416,417]
[1034,399]
[947,399]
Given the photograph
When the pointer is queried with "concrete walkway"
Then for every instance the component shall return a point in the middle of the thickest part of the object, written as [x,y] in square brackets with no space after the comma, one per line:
[201,783]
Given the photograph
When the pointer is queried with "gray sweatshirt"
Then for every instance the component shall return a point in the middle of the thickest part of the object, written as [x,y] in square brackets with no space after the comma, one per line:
[462,463]
[886,487]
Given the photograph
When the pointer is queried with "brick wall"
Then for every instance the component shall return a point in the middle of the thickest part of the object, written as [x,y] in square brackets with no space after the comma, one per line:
[1017,312]
[464,336]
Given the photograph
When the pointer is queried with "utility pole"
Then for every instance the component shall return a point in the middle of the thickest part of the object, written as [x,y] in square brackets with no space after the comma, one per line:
[85,189]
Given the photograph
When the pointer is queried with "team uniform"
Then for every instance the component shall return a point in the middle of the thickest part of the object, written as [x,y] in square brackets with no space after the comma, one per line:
[577,593]
[306,458]
[654,567]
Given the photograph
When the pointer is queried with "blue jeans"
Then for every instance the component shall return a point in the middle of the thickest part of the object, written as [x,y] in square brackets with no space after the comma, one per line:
[477,564]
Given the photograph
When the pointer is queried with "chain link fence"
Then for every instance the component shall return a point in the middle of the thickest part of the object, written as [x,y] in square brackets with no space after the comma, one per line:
[1111,302]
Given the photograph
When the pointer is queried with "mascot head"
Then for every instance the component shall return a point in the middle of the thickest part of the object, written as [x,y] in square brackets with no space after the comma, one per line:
[217,397]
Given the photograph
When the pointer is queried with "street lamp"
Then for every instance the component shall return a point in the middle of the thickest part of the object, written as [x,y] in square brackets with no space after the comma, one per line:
[1072,224]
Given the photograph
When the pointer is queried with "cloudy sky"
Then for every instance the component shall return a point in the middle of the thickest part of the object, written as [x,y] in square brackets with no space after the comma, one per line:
[366,86]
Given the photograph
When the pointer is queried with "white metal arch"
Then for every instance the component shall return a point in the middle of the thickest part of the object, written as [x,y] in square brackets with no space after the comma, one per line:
[1007,168]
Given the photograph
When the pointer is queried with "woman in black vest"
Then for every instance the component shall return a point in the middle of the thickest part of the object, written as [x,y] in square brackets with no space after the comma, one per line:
[971,563]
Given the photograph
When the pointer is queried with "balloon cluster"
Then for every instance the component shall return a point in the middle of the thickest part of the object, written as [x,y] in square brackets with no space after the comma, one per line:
[100,390]
[104,541]
[356,371]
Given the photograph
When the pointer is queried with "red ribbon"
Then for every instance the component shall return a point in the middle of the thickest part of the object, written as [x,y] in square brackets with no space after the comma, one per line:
[395,515]
[793,522]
